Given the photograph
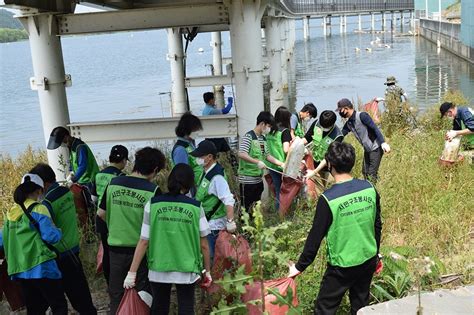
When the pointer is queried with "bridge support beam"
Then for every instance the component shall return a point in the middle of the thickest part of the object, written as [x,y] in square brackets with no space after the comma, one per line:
[372,22]
[306,33]
[245,39]
[175,57]
[49,81]
[360,23]
[216,44]
[274,50]
[325,26]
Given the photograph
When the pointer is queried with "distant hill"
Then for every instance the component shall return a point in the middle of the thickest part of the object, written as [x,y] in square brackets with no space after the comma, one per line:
[8,21]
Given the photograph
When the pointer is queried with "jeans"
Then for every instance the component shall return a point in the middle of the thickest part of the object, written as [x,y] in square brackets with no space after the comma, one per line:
[211,238]
[277,179]
[43,293]
[161,298]
[370,167]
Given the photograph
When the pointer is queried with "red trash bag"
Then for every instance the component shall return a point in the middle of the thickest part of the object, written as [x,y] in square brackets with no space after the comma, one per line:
[253,292]
[372,108]
[290,187]
[9,288]
[81,205]
[310,186]
[132,304]
[269,180]
[231,252]
[100,257]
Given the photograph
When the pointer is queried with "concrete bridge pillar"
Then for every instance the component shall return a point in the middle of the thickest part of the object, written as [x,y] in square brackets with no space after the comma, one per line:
[360,23]
[284,59]
[345,24]
[402,20]
[341,24]
[216,44]
[274,50]
[49,81]
[372,22]
[393,22]
[412,22]
[245,39]
[325,26]
[384,21]
[306,32]
[175,57]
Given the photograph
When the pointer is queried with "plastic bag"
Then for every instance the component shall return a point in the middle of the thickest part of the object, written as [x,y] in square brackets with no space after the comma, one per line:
[132,304]
[253,292]
[372,108]
[11,289]
[451,150]
[81,205]
[294,158]
[290,187]
[99,259]
[231,252]
[310,186]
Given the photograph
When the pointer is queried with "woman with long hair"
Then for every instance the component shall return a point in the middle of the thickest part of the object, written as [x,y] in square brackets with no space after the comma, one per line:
[278,142]
[28,236]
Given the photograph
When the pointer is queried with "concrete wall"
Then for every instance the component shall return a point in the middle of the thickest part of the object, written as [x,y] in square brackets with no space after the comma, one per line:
[467,24]
[449,35]
[433,5]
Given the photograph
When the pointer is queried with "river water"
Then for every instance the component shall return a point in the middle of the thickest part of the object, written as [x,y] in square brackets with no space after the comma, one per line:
[126,76]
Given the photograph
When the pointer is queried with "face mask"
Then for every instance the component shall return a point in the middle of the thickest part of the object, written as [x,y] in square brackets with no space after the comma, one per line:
[326,129]
[266,131]
[200,161]
[343,114]
[306,118]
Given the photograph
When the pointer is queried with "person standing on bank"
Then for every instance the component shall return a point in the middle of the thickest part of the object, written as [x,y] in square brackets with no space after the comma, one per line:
[298,120]
[186,131]
[60,203]
[118,159]
[28,238]
[368,135]
[278,142]
[395,91]
[253,153]
[173,258]
[83,165]
[321,134]
[210,109]
[348,215]
[122,208]
[214,193]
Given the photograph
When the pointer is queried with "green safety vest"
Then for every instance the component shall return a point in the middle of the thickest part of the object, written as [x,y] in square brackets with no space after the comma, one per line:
[299,131]
[103,178]
[174,244]
[351,236]
[92,168]
[24,248]
[275,148]
[320,143]
[213,207]
[469,138]
[126,197]
[64,216]
[251,169]
[197,169]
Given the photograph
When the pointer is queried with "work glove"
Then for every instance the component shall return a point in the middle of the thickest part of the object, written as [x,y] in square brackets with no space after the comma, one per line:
[129,281]
[283,166]
[380,99]
[230,101]
[310,173]
[379,266]
[206,280]
[231,226]
[261,165]
[146,297]
[293,272]
[450,135]
[385,147]
[69,179]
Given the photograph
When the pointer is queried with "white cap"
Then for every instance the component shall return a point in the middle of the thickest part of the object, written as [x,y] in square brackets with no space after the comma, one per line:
[33,178]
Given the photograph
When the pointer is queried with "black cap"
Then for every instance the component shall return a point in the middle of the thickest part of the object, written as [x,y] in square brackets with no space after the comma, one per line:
[118,153]
[344,103]
[56,137]
[204,148]
[443,109]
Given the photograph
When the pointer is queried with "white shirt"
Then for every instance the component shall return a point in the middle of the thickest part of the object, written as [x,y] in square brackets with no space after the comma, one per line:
[220,188]
[172,277]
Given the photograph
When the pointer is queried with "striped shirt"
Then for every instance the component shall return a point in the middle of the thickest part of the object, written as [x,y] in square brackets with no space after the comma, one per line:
[172,277]
[245,146]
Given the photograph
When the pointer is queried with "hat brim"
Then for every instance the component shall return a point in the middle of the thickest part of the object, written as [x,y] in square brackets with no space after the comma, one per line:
[198,153]
[53,143]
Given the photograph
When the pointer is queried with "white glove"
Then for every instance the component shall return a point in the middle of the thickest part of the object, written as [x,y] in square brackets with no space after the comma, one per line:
[231,226]
[380,99]
[207,280]
[261,165]
[293,271]
[129,281]
[450,135]
[310,173]
[69,178]
[146,297]
[283,166]
[385,147]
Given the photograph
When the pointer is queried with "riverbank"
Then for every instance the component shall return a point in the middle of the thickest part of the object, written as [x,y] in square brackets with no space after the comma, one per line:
[8,35]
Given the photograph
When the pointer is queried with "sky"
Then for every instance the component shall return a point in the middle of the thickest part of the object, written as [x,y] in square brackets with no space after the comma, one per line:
[79,8]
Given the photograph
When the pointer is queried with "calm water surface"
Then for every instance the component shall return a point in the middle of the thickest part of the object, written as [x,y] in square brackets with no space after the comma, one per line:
[126,76]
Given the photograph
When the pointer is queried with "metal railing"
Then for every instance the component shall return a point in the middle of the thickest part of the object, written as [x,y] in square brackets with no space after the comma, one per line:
[318,7]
